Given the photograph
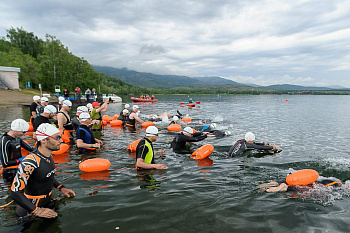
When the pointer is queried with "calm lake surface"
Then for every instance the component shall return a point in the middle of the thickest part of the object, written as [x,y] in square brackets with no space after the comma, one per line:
[219,194]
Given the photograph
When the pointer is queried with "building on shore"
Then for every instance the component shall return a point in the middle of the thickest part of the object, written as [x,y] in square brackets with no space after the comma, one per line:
[9,78]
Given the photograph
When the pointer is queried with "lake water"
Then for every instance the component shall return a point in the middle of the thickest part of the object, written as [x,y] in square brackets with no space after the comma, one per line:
[219,194]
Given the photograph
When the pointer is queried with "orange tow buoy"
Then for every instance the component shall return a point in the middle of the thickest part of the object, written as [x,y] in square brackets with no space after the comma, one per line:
[115,116]
[105,118]
[104,122]
[94,165]
[187,119]
[63,148]
[202,152]
[147,123]
[30,129]
[65,135]
[174,127]
[302,177]
[132,146]
[191,105]
[116,122]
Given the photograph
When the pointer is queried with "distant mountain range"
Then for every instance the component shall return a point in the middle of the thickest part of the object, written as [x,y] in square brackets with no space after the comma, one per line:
[169,81]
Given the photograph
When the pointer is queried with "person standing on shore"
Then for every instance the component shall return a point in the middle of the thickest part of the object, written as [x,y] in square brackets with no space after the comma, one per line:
[78,95]
[66,94]
[87,94]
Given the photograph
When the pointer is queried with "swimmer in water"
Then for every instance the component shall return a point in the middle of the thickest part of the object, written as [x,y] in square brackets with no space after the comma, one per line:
[32,186]
[248,144]
[10,150]
[85,137]
[187,136]
[133,118]
[145,152]
[124,116]
[33,106]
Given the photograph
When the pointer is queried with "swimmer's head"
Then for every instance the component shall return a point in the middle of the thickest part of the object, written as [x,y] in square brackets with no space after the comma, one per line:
[175,118]
[60,99]
[127,106]
[81,109]
[19,125]
[188,130]
[125,111]
[36,98]
[46,130]
[212,126]
[249,136]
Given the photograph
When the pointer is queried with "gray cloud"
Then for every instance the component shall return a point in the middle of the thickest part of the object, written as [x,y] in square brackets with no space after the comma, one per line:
[300,40]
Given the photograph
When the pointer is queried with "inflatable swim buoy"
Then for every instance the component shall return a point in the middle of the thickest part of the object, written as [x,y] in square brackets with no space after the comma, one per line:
[30,129]
[302,177]
[105,118]
[65,135]
[115,116]
[186,119]
[94,165]
[63,148]
[202,152]
[132,146]
[191,105]
[104,122]
[174,127]
[147,123]
[116,122]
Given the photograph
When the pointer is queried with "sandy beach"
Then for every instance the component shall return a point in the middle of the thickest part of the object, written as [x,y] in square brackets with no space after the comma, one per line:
[9,97]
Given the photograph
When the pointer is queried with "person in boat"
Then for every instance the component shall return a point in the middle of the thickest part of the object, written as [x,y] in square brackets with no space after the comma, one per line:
[145,152]
[153,97]
[124,116]
[190,100]
[274,186]
[10,150]
[33,107]
[35,178]
[86,142]
[133,118]
[249,144]
[186,136]
[96,113]
[49,113]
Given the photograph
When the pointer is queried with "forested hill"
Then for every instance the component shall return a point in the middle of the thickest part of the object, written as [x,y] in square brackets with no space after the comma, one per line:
[160,81]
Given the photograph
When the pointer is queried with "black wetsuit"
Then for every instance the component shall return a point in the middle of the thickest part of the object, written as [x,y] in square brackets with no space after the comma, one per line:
[38,121]
[32,108]
[179,142]
[11,155]
[33,183]
[39,109]
[123,118]
[131,123]
[145,151]
[75,122]
[242,146]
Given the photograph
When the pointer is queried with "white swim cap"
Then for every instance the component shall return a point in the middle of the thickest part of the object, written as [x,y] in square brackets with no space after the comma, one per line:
[188,130]
[135,107]
[60,99]
[36,97]
[44,99]
[127,106]
[82,109]
[67,103]
[249,136]
[19,125]
[175,118]
[125,111]
[45,130]
[84,116]
[89,106]
[50,109]
[154,117]
[213,125]
[151,131]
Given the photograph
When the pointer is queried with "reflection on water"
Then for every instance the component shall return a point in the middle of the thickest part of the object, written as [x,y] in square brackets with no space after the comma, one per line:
[217,194]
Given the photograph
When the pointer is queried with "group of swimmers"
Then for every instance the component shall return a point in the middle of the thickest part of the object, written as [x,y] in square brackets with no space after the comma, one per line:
[32,177]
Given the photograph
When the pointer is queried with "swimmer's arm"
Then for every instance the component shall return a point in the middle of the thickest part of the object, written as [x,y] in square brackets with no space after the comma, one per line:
[60,121]
[19,184]
[82,144]
[25,146]
[5,154]
[283,187]
[138,119]
[141,164]
[34,114]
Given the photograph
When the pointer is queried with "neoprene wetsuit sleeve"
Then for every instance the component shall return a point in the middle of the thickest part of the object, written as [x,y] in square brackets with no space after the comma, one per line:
[26,146]
[142,152]
[193,139]
[24,172]
[56,183]
[196,134]
[258,147]
[5,154]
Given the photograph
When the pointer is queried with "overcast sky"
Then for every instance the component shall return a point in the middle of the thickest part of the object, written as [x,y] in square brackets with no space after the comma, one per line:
[262,42]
